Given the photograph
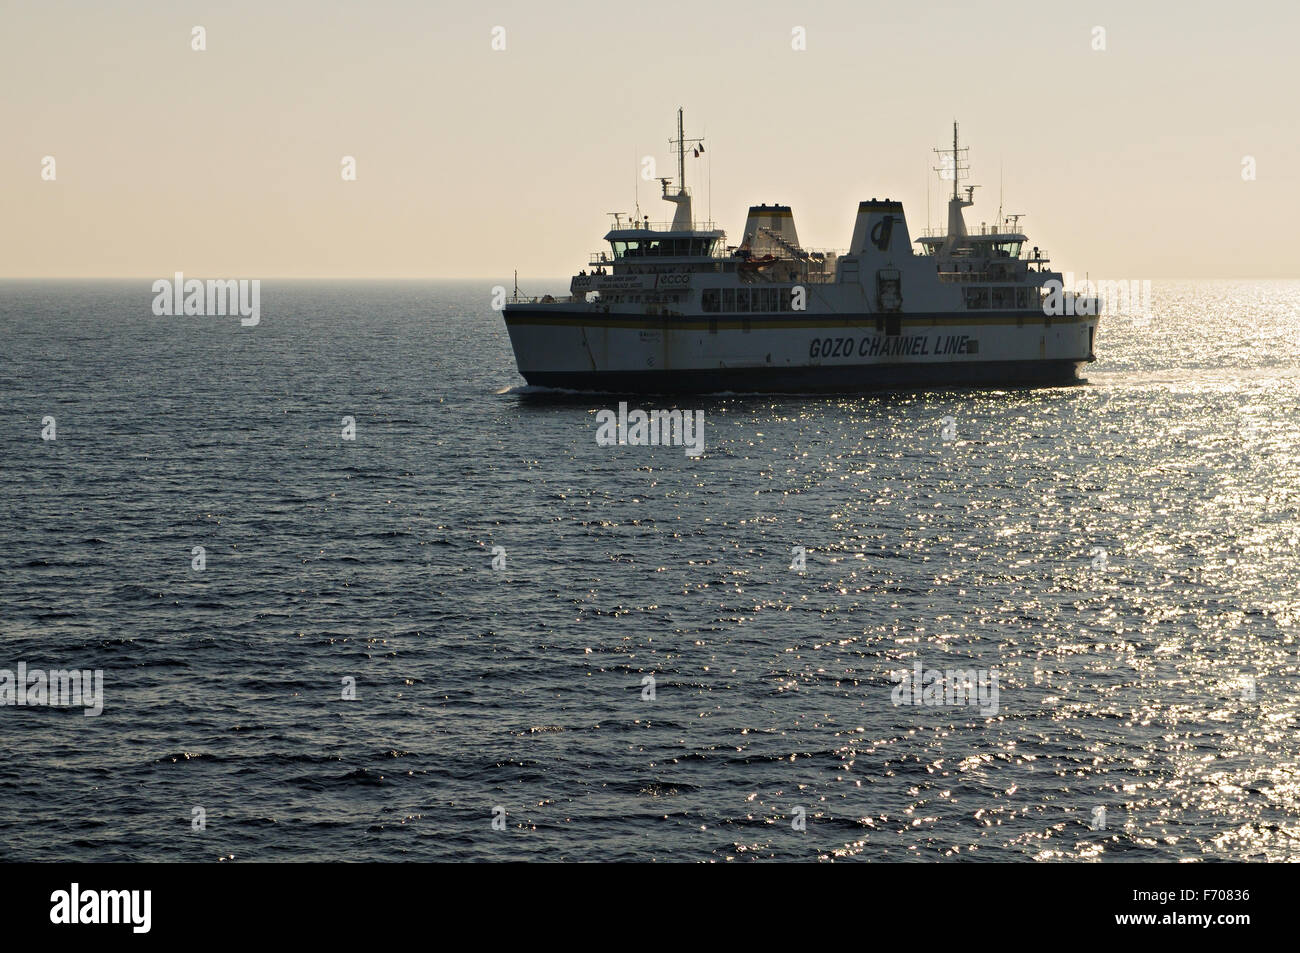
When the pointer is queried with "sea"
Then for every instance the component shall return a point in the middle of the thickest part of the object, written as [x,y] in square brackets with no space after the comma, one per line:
[357,593]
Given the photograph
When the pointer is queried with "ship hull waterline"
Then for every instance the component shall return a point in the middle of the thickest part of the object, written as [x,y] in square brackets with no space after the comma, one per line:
[830,355]
[839,379]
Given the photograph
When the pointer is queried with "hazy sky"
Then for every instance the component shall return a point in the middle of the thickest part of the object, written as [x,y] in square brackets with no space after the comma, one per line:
[472,162]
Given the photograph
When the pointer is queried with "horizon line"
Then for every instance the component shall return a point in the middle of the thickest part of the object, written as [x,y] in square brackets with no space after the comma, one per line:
[478,278]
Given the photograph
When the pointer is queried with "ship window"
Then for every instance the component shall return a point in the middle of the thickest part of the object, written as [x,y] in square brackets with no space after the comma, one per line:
[742,299]
[673,247]
[785,298]
[728,299]
[710,300]
[1022,297]
[977,297]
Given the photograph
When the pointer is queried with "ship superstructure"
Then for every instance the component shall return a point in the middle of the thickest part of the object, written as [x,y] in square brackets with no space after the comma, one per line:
[671,307]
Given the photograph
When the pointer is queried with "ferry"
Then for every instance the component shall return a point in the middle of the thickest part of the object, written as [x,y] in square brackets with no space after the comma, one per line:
[671,308]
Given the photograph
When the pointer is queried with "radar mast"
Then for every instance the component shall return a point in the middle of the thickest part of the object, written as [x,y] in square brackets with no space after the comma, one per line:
[683,220]
[956,164]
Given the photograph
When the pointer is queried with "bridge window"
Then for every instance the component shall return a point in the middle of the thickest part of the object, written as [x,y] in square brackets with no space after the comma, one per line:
[663,247]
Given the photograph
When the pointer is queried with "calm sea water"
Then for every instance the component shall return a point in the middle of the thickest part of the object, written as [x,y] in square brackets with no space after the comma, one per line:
[1122,555]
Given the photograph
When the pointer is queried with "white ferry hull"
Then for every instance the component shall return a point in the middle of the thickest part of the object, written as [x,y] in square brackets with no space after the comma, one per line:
[580,350]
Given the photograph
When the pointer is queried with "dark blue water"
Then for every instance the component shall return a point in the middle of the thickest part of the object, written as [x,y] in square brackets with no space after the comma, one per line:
[1156,682]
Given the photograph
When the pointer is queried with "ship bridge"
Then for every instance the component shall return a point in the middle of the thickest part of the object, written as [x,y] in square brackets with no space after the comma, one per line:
[644,241]
[989,242]
[635,240]
[990,253]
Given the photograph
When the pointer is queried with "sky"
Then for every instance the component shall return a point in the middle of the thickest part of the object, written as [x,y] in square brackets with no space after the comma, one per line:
[1127,162]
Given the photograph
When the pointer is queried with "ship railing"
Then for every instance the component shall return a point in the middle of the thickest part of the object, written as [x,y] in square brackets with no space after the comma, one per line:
[1027,255]
[978,277]
[598,258]
[764,248]
[812,256]
[941,231]
[542,299]
[807,256]
[647,225]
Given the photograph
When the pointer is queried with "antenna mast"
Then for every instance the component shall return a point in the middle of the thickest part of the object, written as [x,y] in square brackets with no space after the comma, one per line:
[682,218]
[1001,191]
[959,165]
[681,154]
[681,142]
[954,158]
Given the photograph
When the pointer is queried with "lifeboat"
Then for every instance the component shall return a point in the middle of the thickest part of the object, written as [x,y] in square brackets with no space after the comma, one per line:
[753,264]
